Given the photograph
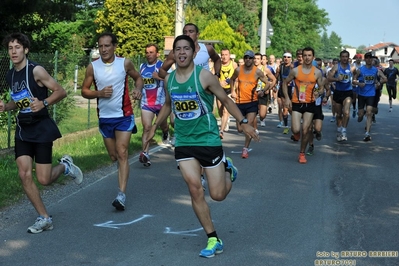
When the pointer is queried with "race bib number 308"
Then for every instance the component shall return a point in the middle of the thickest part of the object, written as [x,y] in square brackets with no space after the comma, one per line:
[187,106]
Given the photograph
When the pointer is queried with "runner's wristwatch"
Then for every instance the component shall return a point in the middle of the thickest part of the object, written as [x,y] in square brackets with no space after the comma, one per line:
[45,103]
[244,121]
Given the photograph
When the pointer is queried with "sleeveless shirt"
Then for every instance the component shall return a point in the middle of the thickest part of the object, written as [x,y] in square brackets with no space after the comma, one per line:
[304,86]
[119,105]
[153,93]
[247,84]
[225,74]
[195,124]
[202,57]
[368,76]
[346,83]
[36,127]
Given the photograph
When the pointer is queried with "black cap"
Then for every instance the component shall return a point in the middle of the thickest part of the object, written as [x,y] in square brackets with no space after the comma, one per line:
[369,54]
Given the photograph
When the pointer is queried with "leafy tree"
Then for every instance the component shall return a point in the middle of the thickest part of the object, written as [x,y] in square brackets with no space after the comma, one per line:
[361,49]
[335,45]
[325,43]
[242,20]
[232,40]
[137,23]
[31,16]
[63,37]
[296,23]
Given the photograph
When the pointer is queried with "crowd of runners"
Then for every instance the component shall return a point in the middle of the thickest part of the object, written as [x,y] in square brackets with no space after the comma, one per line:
[181,92]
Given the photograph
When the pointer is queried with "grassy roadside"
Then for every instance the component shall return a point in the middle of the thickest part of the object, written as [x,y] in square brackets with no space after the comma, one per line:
[84,144]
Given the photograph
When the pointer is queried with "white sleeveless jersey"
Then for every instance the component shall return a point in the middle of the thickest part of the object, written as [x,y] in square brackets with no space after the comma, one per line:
[202,57]
[119,104]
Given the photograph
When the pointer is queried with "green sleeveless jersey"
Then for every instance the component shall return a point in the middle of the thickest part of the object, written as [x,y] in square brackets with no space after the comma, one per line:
[195,124]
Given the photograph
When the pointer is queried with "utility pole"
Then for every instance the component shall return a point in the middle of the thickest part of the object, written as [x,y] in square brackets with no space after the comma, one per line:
[263,30]
[179,17]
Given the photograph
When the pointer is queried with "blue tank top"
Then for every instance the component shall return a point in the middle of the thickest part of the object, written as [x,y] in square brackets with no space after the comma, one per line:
[368,76]
[346,83]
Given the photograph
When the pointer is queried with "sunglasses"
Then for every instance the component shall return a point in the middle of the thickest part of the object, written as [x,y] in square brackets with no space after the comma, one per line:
[248,57]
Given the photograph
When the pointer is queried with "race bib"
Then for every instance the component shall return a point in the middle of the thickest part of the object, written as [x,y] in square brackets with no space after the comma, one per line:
[302,92]
[22,100]
[187,106]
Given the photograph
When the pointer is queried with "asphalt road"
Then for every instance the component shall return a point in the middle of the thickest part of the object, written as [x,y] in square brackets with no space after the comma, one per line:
[279,212]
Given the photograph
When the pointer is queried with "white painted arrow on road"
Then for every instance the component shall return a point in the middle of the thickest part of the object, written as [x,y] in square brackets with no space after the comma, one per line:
[110,224]
[184,233]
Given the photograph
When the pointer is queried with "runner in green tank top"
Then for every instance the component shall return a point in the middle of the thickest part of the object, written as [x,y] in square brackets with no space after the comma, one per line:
[191,91]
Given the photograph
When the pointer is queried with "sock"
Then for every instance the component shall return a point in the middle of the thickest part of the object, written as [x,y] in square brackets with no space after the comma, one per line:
[66,168]
[213,234]
[339,129]
[343,129]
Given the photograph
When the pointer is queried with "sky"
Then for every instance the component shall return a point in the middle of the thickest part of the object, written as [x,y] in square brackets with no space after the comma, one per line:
[363,22]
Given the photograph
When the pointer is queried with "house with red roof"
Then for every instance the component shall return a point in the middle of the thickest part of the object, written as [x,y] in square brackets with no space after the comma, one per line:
[395,54]
[384,50]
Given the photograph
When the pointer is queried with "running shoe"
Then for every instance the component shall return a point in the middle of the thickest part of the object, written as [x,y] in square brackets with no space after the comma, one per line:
[165,138]
[172,141]
[213,247]
[332,120]
[280,125]
[310,150]
[41,224]
[286,130]
[144,158]
[295,137]
[354,113]
[339,137]
[230,166]
[318,135]
[367,137]
[302,158]
[390,109]
[262,123]
[119,201]
[244,153]
[226,128]
[343,136]
[71,169]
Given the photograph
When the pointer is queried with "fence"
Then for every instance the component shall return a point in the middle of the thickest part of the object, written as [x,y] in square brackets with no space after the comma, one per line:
[60,66]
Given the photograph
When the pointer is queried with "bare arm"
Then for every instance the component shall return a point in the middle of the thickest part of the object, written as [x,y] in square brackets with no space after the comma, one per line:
[42,77]
[270,77]
[169,61]
[138,80]
[383,78]
[217,63]
[355,80]
[285,82]
[7,106]
[233,81]
[331,74]
[213,86]
[87,82]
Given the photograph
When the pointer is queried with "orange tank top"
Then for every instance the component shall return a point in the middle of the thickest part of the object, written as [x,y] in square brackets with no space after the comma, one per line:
[304,86]
[247,84]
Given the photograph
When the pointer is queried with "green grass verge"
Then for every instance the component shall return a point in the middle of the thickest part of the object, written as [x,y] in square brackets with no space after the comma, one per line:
[86,147]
